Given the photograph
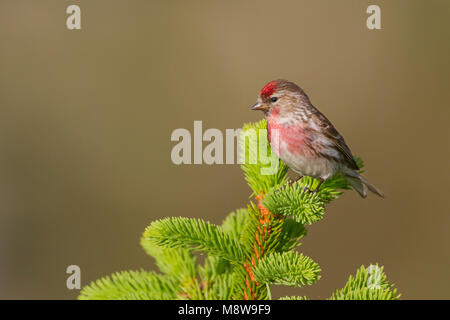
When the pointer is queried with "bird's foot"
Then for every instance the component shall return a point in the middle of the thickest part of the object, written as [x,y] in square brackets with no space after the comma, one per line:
[316,190]
[307,189]
[294,181]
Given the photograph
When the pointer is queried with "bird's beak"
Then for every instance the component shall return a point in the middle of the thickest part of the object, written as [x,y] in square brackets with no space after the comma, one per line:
[260,106]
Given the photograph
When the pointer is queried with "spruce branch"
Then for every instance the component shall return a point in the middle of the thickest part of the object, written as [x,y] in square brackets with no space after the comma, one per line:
[220,288]
[178,263]
[215,266]
[130,285]
[287,268]
[234,223]
[252,249]
[368,284]
[291,234]
[196,234]
[259,238]
[296,201]
[255,156]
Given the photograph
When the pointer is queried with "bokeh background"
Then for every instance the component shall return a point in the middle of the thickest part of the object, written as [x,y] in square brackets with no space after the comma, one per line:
[86,118]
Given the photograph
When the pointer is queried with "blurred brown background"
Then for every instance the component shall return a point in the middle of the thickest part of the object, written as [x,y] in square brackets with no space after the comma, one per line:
[86,118]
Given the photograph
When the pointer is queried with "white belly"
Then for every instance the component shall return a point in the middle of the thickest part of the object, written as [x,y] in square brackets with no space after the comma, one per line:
[307,165]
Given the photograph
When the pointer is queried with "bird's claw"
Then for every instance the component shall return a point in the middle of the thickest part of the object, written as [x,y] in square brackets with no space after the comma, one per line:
[309,190]
[294,181]
[316,190]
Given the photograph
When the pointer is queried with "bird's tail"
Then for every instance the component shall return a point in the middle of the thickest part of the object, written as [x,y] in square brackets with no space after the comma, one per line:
[360,184]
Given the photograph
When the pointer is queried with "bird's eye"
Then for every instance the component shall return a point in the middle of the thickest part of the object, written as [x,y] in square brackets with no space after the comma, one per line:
[274,99]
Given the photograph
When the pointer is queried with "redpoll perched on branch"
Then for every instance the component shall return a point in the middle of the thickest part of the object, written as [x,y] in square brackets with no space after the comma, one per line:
[305,139]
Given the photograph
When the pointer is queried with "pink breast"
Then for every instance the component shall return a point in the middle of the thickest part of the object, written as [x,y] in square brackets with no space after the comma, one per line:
[292,138]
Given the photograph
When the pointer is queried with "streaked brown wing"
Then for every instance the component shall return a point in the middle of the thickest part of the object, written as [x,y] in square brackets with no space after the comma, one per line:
[330,131]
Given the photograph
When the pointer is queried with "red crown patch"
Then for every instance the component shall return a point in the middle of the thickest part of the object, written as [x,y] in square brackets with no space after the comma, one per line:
[268,89]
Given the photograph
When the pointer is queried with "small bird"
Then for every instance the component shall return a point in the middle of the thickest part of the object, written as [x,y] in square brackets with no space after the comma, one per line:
[305,139]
